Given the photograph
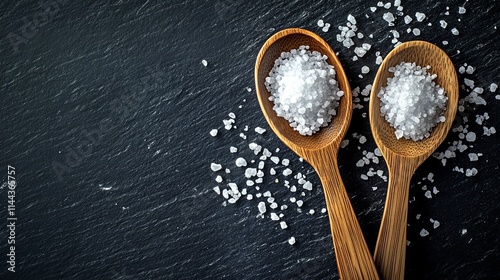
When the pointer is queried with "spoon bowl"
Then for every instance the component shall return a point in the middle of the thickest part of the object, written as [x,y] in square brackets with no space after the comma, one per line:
[354,260]
[403,156]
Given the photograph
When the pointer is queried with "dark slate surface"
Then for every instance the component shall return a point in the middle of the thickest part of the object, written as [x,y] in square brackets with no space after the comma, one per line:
[122,84]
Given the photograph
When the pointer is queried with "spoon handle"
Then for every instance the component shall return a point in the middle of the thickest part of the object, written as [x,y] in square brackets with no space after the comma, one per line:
[354,259]
[390,251]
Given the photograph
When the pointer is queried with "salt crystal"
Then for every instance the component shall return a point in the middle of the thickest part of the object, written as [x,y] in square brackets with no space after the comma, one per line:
[419,16]
[359,51]
[262,207]
[473,157]
[300,203]
[291,241]
[424,232]
[408,19]
[283,225]
[436,224]
[240,162]
[389,17]
[443,23]
[260,130]
[217,189]
[470,69]
[213,132]
[471,136]
[233,149]
[249,196]
[471,172]
[445,43]
[463,231]
[344,143]
[454,31]
[321,23]
[204,62]
[416,31]
[461,10]
[275,159]
[493,87]
[287,172]
[326,27]
[218,179]
[215,167]
[285,162]
[362,139]
[387,5]
[274,217]
[351,19]
[365,69]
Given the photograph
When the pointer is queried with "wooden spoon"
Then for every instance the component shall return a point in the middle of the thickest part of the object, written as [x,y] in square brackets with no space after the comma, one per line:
[403,156]
[320,150]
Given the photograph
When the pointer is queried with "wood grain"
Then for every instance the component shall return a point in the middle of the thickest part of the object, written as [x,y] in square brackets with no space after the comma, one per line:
[403,156]
[354,260]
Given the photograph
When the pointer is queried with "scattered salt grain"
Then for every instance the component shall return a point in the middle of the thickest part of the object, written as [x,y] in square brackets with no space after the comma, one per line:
[283,225]
[204,62]
[463,231]
[493,87]
[423,101]
[443,23]
[454,31]
[351,19]
[461,10]
[365,69]
[321,23]
[416,31]
[407,19]
[424,232]
[240,162]
[473,157]
[389,17]
[262,207]
[419,16]
[291,241]
[217,190]
[233,150]
[304,90]
[218,179]
[213,132]
[470,136]
[274,217]
[471,172]
[260,130]
[215,167]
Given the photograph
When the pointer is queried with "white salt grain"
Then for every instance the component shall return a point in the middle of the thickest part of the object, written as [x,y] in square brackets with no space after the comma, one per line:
[365,69]
[274,217]
[204,62]
[416,31]
[262,207]
[351,19]
[407,19]
[218,179]
[454,31]
[461,10]
[240,162]
[471,136]
[443,23]
[215,167]
[424,232]
[260,130]
[493,87]
[291,241]
[213,132]
[321,23]
[389,17]
[233,149]
[217,189]
[419,16]
[283,225]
